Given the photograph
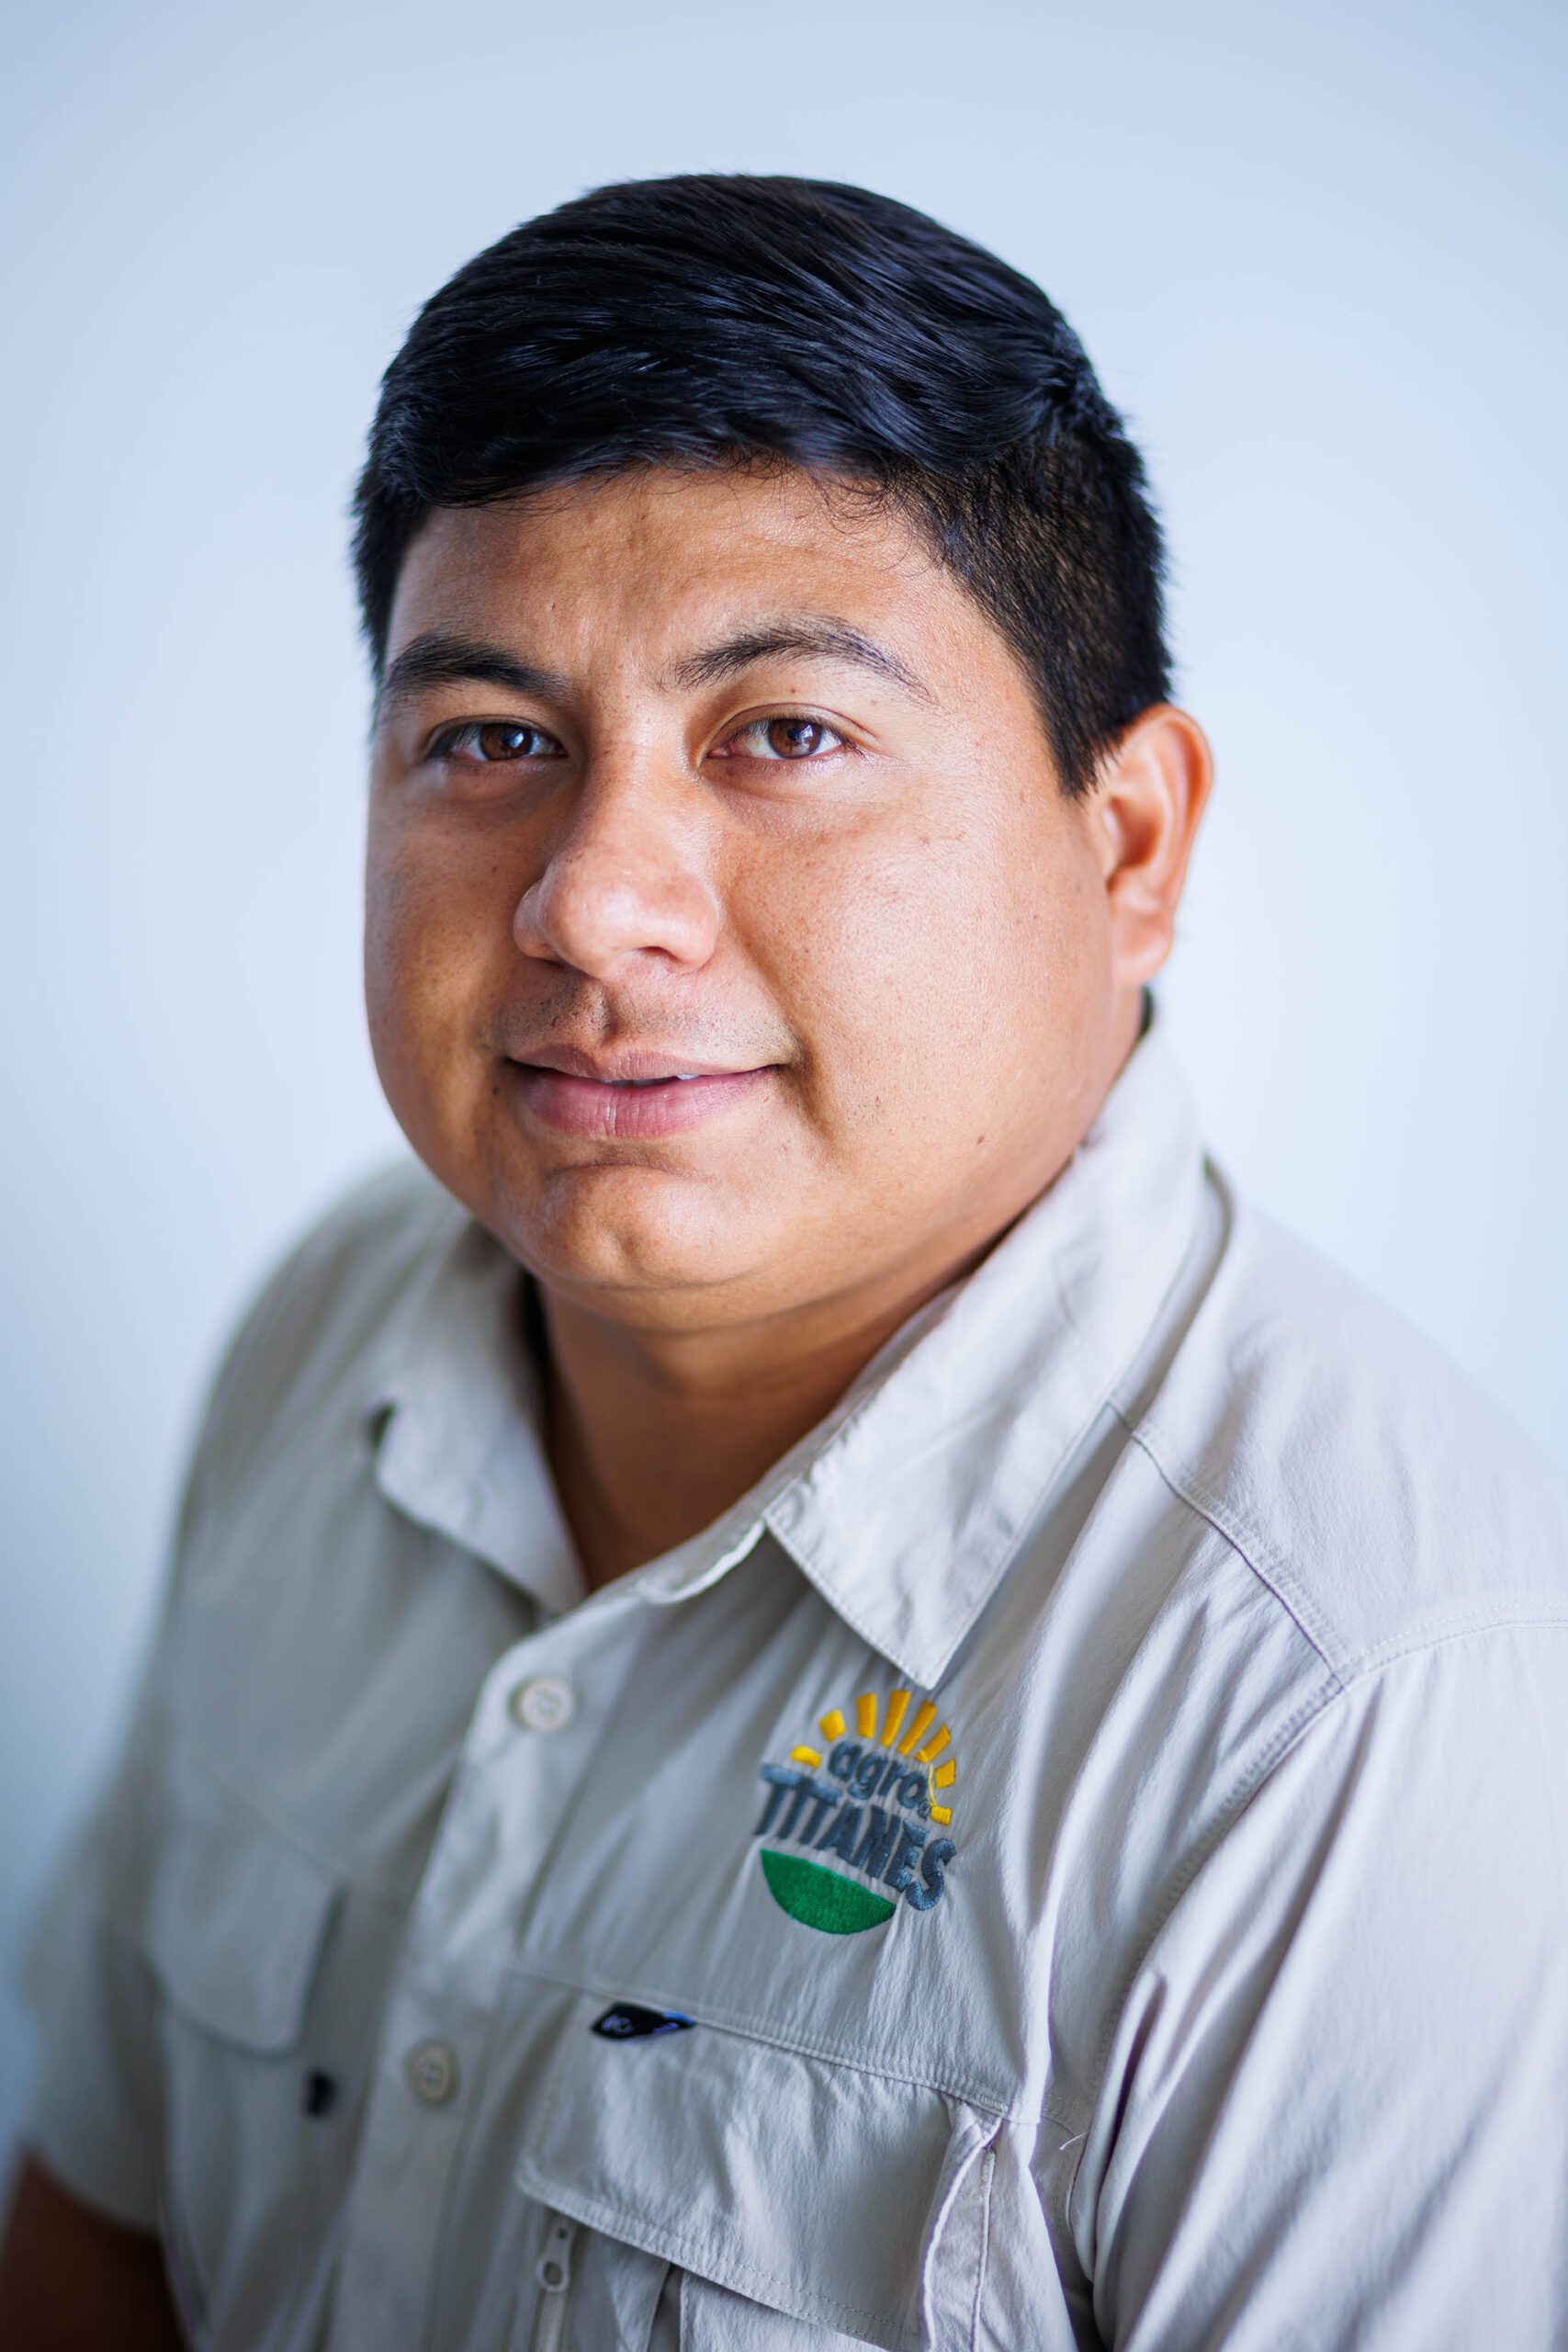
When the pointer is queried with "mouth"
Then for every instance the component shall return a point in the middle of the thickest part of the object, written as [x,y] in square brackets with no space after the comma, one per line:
[629,1095]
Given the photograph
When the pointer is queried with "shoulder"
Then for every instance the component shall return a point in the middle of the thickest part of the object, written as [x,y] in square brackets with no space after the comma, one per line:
[1377,1490]
[308,1331]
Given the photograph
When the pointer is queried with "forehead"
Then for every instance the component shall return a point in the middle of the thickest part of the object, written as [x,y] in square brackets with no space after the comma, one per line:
[651,559]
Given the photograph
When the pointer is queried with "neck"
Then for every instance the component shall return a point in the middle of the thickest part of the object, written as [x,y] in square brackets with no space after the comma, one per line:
[651,1435]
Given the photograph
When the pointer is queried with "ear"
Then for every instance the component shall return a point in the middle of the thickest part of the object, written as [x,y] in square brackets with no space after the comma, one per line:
[1149,795]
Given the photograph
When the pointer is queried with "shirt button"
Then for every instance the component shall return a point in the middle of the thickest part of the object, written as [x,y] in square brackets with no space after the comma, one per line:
[544,1703]
[432,2070]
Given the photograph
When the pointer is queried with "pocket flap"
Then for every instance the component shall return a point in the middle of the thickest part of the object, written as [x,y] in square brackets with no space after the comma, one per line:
[798,2182]
[234,1917]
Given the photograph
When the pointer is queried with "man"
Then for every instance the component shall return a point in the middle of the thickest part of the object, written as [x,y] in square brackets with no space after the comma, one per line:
[813,1692]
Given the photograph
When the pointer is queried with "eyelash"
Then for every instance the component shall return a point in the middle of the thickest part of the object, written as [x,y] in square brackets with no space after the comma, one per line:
[799,718]
[448,744]
[445,744]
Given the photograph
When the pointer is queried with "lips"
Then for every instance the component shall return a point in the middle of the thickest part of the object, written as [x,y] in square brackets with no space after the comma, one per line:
[628,1096]
[635,1067]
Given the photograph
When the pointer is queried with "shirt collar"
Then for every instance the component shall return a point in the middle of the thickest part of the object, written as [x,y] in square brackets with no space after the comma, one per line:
[907,1504]
[911,1513]
[454,1404]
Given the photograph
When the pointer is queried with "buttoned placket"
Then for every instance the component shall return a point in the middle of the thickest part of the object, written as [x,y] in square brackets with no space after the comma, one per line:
[530,1742]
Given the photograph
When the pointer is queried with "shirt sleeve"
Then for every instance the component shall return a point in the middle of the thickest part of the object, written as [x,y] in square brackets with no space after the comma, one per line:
[1336,2111]
[95,2117]
[96,2112]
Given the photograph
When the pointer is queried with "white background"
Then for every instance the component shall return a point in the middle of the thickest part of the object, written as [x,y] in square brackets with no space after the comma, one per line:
[1316,254]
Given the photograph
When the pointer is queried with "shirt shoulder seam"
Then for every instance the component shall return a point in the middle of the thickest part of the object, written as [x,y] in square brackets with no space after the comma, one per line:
[1259,1558]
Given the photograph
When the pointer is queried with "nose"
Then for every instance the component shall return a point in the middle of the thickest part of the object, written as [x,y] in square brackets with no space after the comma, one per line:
[626,876]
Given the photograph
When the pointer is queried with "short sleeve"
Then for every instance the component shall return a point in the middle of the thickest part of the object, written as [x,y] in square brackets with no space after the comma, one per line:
[1335,2111]
[94,2118]
[94,2115]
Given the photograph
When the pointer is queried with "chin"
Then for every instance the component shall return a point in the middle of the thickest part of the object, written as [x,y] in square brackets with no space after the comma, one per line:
[642,1245]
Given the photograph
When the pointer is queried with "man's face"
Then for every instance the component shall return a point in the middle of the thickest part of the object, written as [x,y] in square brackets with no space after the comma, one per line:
[716,773]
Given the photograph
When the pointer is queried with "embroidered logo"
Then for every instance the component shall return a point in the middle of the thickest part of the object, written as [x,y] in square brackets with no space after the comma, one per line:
[870,1799]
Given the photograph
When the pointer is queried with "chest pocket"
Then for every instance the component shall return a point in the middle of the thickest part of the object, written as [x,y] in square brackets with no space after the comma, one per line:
[803,2202]
[232,1919]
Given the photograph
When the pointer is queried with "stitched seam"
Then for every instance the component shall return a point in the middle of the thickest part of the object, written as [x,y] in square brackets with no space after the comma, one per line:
[656,2236]
[1027,1514]
[1026,1518]
[1264,1560]
[262,1807]
[903,1659]
[987,2173]
[1445,1633]
[1106,1399]
[745,2028]
[1209,1508]
[1470,1616]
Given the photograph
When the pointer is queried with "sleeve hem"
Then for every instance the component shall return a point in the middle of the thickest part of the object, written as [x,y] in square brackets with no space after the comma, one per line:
[119,2191]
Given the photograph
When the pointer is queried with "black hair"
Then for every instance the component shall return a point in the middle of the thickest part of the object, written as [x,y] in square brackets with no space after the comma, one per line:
[713,318]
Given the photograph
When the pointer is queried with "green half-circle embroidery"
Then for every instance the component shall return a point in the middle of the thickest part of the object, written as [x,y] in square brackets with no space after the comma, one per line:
[820,1898]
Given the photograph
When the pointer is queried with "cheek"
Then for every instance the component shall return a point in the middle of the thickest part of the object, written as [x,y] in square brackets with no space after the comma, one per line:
[428,942]
[931,956]
[946,984]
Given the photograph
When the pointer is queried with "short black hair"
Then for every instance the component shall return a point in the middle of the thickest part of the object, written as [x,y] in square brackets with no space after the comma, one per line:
[727,317]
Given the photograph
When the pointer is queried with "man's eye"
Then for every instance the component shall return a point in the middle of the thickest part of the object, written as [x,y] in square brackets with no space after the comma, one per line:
[791,736]
[490,743]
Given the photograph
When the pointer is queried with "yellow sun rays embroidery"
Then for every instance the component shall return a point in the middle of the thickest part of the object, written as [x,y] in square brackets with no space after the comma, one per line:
[915,1742]
[833,1726]
[897,1701]
[925,1715]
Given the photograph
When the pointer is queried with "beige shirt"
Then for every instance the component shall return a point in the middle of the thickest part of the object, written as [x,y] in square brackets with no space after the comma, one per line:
[1076,1857]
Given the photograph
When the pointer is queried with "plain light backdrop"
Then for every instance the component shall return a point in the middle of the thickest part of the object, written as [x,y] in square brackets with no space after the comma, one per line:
[1316,255]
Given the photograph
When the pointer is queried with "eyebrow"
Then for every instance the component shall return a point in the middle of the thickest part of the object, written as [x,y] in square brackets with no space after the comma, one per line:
[440,659]
[817,635]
